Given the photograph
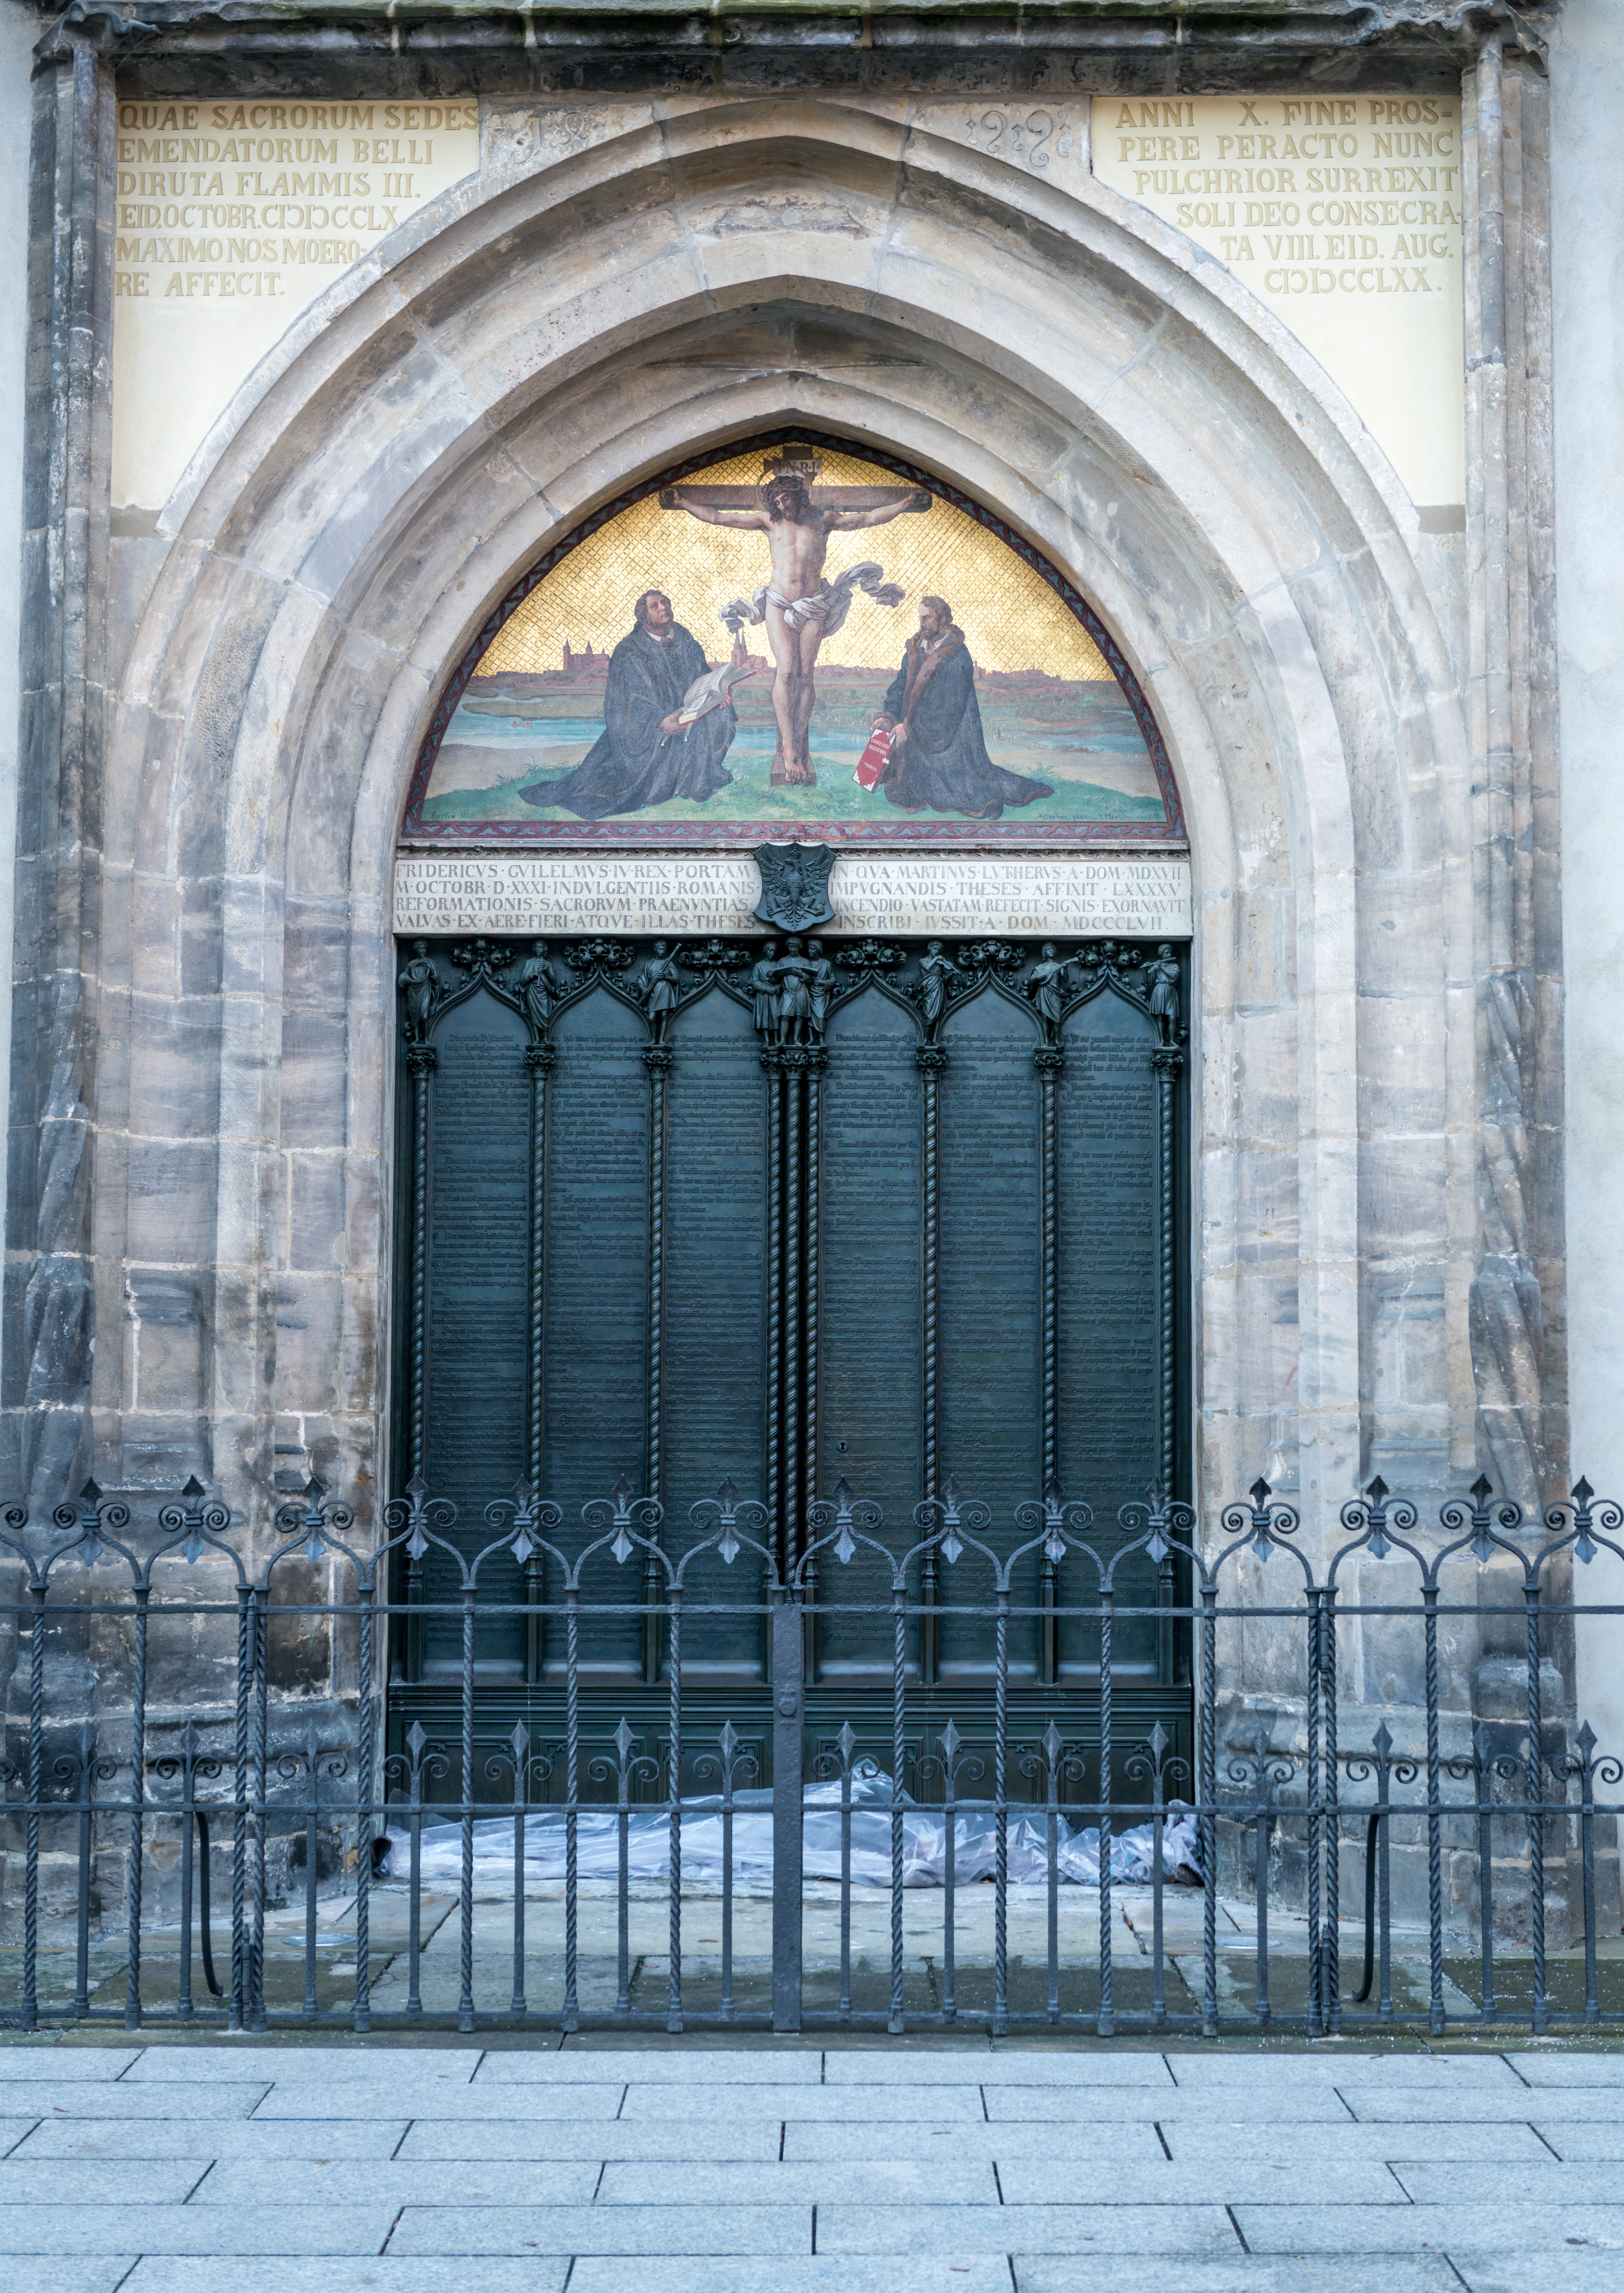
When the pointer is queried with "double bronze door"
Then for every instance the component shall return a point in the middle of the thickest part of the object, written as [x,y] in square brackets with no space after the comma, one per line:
[665,1224]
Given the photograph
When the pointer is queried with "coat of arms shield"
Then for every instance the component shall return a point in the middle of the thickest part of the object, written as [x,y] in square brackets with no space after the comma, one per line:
[794,885]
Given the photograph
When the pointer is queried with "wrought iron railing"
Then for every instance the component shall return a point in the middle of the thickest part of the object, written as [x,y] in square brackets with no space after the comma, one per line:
[1335,1742]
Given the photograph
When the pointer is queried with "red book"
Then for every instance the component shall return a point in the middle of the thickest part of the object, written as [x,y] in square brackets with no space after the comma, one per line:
[871,764]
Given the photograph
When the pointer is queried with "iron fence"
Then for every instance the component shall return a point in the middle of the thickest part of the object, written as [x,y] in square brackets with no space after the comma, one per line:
[1377,1716]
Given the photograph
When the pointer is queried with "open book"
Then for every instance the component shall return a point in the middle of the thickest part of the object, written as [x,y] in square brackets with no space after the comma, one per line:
[713,689]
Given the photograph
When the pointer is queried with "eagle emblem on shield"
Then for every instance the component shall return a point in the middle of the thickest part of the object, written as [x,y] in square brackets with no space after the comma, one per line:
[794,885]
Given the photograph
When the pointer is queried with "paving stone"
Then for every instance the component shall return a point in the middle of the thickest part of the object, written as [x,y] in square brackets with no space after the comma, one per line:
[1581,2138]
[1553,2183]
[1063,2105]
[1371,2102]
[1387,2228]
[1399,2273]
[655,2066]
[351,2099]
[817,2273]
[746,2229]
[1338,2066]
[813,2183]
[1002,2069]
[1465,2138]
[299,2182]
[957,2230]
[143,2182]
[79,2273]
[950,2146]
[366,2065]
[1582,2271]
[227,2137]
[13,2130]
[222,2230]
[386,2273]
[133,2101]
[1569,2070]
[1243,2176]
[809,2102]
[33,2064]
[650,2140]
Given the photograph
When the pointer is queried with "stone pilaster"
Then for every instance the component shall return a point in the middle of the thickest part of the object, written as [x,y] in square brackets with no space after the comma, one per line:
[50,1293]
[1517,1291]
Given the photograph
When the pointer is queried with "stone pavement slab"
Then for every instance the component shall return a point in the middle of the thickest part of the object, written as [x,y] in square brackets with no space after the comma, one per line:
[1568,2070]
[983,2067]
[87,2098]
[418,2066]
[1578,2137]
[657,2066]
[951,2144]
[1366,2229]
[216,2137]
[1581,2271]
[388,2273]
[143,2182]
[301,2181]
[818,2182]
[1469,2140]
[698,2230]
[30,2063]
[79,2273]
[818,2102]
[60,2230]
[1553,2183]
[310,2098]
[816,2273]
[1242,2178]
[1371,2101]
[650,2140]
[1252,2272]
[1078,2105]
[1202,2230]
[1337,2066]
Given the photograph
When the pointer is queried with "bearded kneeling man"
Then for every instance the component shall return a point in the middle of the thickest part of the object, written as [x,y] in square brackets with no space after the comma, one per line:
[938,760]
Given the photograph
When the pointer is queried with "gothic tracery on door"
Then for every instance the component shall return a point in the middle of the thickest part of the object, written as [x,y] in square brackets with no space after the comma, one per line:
[791,1212]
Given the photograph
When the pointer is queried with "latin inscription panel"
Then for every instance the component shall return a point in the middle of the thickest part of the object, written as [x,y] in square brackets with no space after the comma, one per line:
[991,1237]
[479,1226]
[1110,1389]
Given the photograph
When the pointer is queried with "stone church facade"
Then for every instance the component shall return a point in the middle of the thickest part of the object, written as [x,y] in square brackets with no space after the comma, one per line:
[1383,691]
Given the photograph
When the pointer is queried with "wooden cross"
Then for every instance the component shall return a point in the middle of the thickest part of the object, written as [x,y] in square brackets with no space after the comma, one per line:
[795,462]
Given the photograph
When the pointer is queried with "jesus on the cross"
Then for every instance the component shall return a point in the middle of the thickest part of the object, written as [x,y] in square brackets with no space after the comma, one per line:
[798,605]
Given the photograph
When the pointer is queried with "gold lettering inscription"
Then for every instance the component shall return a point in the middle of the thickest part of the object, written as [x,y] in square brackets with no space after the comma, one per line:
[1341,213]
[1301,196]
[221,202]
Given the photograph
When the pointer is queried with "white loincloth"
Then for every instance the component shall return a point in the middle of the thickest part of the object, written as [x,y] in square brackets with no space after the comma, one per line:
[828,605]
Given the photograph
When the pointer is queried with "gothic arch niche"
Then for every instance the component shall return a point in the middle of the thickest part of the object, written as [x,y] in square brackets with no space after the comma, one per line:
[898,1213]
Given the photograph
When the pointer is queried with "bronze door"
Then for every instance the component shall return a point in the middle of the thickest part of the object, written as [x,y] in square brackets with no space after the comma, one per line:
[920,1222]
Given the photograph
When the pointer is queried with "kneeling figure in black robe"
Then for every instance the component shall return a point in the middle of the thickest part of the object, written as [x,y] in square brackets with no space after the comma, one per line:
[938,760]
[642,757]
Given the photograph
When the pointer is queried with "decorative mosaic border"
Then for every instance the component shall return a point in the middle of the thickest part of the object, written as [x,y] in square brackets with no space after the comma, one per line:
[696,834]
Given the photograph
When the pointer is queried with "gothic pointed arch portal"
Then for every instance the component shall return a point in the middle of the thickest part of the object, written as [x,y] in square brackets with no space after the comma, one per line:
[904,1214]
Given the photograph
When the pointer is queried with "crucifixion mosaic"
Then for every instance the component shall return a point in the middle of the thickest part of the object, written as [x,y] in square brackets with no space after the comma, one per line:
[794,636]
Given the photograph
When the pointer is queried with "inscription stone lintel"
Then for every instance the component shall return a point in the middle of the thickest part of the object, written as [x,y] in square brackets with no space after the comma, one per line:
[1018,897]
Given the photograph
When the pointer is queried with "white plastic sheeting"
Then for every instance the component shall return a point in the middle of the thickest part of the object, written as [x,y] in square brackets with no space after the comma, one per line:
[924,1843]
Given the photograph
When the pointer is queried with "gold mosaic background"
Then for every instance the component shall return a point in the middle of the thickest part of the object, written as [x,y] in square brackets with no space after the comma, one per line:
[1009,616]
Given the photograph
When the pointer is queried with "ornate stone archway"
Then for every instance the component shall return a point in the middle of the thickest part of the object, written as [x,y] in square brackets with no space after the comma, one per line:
[547,333]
